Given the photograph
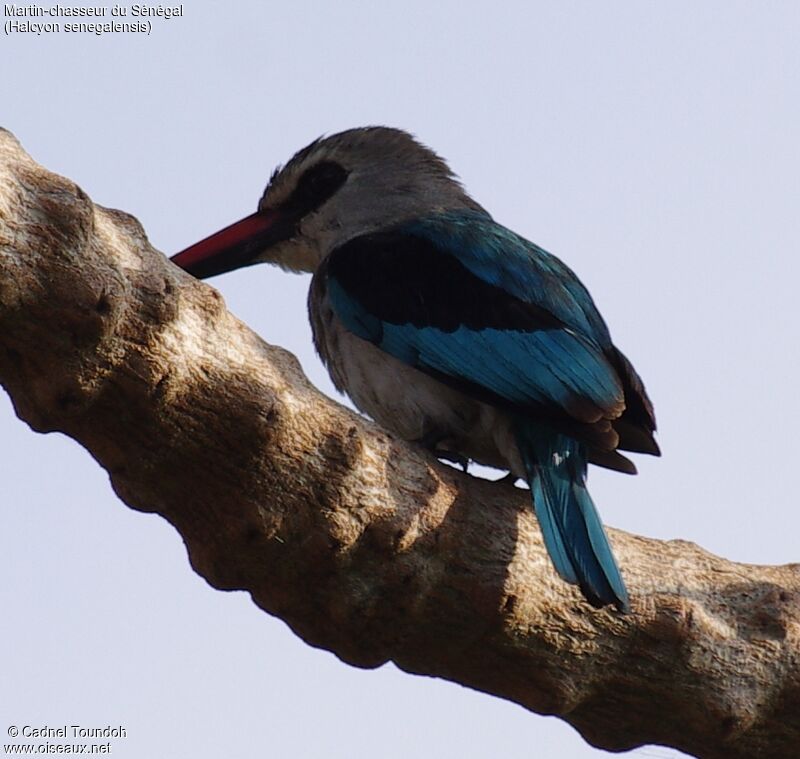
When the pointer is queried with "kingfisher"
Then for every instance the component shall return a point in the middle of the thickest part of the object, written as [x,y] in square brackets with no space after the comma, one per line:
[450,330]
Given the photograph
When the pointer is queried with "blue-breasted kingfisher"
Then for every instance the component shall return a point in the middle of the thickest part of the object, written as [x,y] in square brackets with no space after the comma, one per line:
[451,330]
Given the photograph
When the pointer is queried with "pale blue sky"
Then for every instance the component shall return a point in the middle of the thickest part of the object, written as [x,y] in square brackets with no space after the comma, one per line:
[652,146]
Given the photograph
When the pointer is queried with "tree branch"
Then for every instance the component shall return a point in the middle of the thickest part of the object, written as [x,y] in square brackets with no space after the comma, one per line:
[364,544]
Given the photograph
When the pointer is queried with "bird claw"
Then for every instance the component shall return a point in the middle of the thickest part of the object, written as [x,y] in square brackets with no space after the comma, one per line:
[453,458]
[431,439]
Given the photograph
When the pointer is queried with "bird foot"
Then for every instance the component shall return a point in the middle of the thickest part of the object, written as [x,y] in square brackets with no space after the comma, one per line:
[453,458]
[431,439]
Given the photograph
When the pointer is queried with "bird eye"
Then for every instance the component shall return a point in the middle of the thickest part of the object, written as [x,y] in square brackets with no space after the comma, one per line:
[325,177]
[316,186]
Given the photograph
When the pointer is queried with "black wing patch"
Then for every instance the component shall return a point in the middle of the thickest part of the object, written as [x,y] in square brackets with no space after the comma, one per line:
[404,279]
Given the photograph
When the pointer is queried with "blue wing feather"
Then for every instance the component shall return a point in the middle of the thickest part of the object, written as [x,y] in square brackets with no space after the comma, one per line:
[562,365]
[545,368]
[503,258]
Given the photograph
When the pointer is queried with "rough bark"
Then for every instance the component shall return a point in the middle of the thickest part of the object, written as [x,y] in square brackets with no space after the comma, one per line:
[364,544]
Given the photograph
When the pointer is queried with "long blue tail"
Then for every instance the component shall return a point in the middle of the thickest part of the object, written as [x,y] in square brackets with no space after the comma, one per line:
[572,530]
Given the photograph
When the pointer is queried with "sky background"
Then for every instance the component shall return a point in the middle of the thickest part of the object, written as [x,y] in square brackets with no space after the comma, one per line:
[652,146]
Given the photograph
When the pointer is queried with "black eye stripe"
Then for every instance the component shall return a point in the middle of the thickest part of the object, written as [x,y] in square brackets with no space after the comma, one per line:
[317,184]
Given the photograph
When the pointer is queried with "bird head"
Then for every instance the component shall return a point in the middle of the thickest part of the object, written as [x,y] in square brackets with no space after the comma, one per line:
[333,190]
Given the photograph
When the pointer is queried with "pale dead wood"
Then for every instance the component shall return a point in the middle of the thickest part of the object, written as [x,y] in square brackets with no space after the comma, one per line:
[365,545]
